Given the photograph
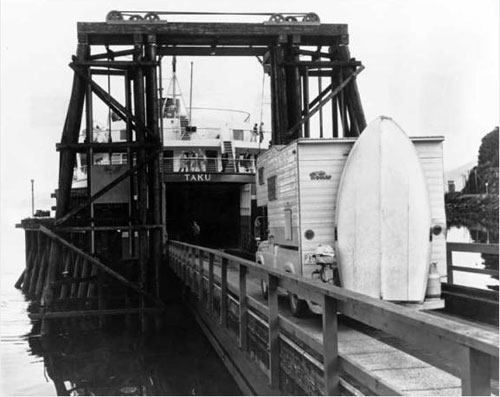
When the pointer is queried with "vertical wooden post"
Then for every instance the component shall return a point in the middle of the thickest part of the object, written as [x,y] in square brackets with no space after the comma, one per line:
[89,121]
[154,166]
[243,307]
[278,94]
[476,374]
[274,349]
[82,269]
[38,250]
[320,89]
[342,107]
[292,88]
[335,121]
[353,98]
[92,284]
[31,246]
[76,273]
[201,271]
[48,291]
[28,238]
[71,132]
[330,347]
[305,95]
[142,196]
[189,279]
[223,293]
[67,260]
[449,264]
[100,295]
[44,260]
[211,259]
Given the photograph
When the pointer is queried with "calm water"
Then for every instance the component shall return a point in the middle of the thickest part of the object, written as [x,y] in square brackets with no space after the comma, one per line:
[174,360]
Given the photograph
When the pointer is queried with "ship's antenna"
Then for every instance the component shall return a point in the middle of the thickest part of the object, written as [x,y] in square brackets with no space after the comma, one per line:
[174,78]
[191,96]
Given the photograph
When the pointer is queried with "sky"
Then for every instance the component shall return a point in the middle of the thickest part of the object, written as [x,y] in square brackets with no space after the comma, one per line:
[431,65]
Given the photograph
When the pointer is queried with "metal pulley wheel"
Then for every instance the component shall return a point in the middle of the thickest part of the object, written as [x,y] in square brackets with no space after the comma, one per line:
[290,19]
[152,16]
[114,16]
[277,18]
[135,18]
[311,17]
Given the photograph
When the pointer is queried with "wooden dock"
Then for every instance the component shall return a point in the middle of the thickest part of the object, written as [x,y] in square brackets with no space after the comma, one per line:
[414,353]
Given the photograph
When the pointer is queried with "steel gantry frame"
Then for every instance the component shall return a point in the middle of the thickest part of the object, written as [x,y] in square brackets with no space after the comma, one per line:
[292,53]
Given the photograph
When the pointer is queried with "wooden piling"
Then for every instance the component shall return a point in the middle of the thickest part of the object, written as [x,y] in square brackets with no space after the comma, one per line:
[42,271]
[36,248]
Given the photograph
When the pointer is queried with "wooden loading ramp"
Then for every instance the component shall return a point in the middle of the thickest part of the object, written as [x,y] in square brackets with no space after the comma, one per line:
[375,363]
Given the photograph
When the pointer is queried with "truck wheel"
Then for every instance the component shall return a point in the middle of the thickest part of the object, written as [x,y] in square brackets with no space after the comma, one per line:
[264,289]
[298,307]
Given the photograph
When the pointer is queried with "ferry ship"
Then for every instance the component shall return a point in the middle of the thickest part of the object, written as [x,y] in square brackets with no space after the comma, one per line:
[208,165]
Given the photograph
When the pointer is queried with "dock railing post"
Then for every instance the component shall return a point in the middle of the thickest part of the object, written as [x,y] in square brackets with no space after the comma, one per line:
[201,256]
[243,307]
[223,293]
[449,264]
[476,373]
[274,352]
[211,259]
[330,347]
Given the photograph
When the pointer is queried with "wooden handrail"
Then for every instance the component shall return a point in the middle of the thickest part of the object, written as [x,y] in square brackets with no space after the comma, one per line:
[473,247]
[459,343]
[451,247]
[314,290]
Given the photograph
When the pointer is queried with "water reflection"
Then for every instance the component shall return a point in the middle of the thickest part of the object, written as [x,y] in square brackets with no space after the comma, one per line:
[174,359]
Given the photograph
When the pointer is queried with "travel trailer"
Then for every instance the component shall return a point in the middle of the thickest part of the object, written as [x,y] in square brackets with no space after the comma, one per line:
[297,187]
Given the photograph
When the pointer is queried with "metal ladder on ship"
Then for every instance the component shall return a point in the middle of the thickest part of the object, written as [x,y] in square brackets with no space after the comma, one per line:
[231,163]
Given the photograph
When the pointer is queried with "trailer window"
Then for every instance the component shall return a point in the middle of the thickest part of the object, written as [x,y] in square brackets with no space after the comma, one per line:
[271,188]
[261,175]
[288,224]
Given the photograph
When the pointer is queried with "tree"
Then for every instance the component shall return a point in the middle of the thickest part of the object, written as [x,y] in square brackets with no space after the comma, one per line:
[484,177]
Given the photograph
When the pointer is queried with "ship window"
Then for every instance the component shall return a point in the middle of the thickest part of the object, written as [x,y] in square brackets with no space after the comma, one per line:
[288,224]
[238,135]
[271,188]
[261,175]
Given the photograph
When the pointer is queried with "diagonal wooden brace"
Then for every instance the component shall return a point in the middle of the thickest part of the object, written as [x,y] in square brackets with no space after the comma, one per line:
[325,100]
[115,105]
[106,188]
[98,264]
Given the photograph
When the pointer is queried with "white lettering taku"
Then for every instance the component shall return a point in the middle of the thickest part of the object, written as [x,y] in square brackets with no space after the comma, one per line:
[198,177]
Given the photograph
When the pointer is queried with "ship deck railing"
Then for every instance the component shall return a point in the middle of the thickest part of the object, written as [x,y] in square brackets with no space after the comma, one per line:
[209,165]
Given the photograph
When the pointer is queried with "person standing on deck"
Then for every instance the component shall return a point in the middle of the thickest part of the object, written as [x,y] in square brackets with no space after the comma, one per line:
[261,132]
[224,161]
[184,161]
[247,160]
[255,132]
[193,163]
[195,232]
[202,161]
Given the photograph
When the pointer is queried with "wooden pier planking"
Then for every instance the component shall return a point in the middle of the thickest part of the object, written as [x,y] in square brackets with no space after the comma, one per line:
[361,356]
